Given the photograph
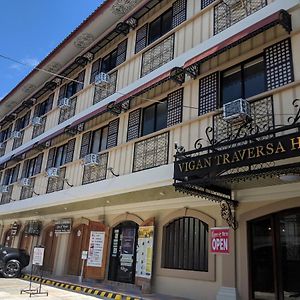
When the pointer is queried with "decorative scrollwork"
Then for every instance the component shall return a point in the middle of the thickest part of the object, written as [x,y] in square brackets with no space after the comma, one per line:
[228,215]
[294,120]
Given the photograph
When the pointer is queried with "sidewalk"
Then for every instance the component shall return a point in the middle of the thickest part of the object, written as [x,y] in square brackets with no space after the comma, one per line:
[89,287]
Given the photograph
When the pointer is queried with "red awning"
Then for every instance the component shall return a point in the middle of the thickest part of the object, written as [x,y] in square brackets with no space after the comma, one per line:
[280,17]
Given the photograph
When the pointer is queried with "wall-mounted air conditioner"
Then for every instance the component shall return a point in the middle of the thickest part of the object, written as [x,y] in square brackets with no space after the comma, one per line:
[36,121]
[16,134]
[64,103]
[4,189]
[26,182]
[102,79]
[91,160]
[237,111]
[53,172]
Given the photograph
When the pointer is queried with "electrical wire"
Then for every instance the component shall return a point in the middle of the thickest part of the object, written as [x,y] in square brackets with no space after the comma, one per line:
[74,80]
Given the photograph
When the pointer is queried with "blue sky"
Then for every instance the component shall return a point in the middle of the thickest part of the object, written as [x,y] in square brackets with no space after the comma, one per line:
[31,29]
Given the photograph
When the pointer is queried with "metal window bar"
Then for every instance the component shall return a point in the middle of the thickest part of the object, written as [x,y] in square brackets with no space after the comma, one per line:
[69,112]
[56,184]
[152,152]
[38,130]
[96,173]
[103,92]
[158,55]
[225,16]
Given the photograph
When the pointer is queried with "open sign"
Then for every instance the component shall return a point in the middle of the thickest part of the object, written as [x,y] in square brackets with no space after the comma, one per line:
[219,240]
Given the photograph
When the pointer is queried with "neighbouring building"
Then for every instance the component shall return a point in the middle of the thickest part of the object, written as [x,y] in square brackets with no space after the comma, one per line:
[165,119]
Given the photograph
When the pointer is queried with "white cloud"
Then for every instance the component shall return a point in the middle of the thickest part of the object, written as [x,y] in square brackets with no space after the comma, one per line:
[31,62]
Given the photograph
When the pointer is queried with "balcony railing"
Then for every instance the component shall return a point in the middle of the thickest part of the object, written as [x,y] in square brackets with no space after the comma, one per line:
[39,129]
[152,152]
[226,16]
[103,92]
[158,55]
[96,173]
[69,112]
[56,183]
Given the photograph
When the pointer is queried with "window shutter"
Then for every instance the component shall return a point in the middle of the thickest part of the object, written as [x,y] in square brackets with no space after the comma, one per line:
[70,150]
[205,3]
[80,78]
[279,64]
[24,169]
[141,38]
[112,137]
[85,144]
[95,69]
[49,103]
[62,92]
[134,122]
[174,107]
[208,93]
[179,12]
[38,164]
[121,52]
[51,157]
[16,173]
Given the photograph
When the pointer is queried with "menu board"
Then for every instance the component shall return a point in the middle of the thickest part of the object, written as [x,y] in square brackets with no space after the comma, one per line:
[145,252]
[38,256]
[96,246]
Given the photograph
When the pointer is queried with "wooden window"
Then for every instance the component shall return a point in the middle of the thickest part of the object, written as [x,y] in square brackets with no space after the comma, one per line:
[95,69]
[11,175]
[185,245]
[112,133]
[32,166]
[44,107]
[22,122]
[170,19]
[5,134]
[208,93]
[61,155]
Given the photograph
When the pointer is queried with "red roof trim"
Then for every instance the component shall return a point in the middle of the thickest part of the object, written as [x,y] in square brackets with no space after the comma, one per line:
[233,39]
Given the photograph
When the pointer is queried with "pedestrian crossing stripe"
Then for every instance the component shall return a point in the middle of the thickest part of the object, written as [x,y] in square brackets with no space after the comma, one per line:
[79,288]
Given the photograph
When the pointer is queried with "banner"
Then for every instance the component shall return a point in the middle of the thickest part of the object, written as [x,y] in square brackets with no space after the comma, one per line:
[96,246]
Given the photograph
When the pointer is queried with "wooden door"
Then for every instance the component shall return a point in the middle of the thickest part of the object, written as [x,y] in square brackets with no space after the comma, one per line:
[8,238]
[26,242]
[50,243]
[78,240]
[97,272]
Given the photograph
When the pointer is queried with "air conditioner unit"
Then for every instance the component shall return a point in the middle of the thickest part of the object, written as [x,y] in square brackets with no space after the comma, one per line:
[231,2]
[91,160]
[102,79]
[237,111]
[53,172]
[36,121]
[64,103]
[26,182]
[16,134]
[4,189]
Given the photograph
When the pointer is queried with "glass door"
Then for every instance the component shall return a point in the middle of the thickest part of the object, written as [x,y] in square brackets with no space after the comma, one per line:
[275,256]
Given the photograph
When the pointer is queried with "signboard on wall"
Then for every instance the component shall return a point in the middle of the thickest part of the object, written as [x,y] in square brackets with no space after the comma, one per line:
[15,229]
[38,256]
[219,240]
[145,252]
[63,226]
[95,251]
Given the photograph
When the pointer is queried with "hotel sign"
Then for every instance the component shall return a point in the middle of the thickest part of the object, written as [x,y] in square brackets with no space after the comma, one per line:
[211,164]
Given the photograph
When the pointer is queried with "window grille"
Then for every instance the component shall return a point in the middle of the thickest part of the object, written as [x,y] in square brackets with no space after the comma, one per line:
[56,183]
[69,112]
[205,3]
[26,191]
[38,130]
[112,138]
[134,122]
[174,103]
[19,141]
[102,93]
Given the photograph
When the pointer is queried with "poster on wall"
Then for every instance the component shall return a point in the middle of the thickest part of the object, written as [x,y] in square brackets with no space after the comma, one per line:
[219,240]
[145,252]
[38,256]
[96,246]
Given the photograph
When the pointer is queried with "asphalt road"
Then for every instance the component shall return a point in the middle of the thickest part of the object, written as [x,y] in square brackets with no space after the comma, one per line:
[10,290]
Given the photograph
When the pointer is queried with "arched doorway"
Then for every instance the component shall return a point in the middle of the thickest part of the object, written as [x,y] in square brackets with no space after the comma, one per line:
[274,255]
[8,239]
[50,243]
[78,240]
[123,252]
[26,241]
